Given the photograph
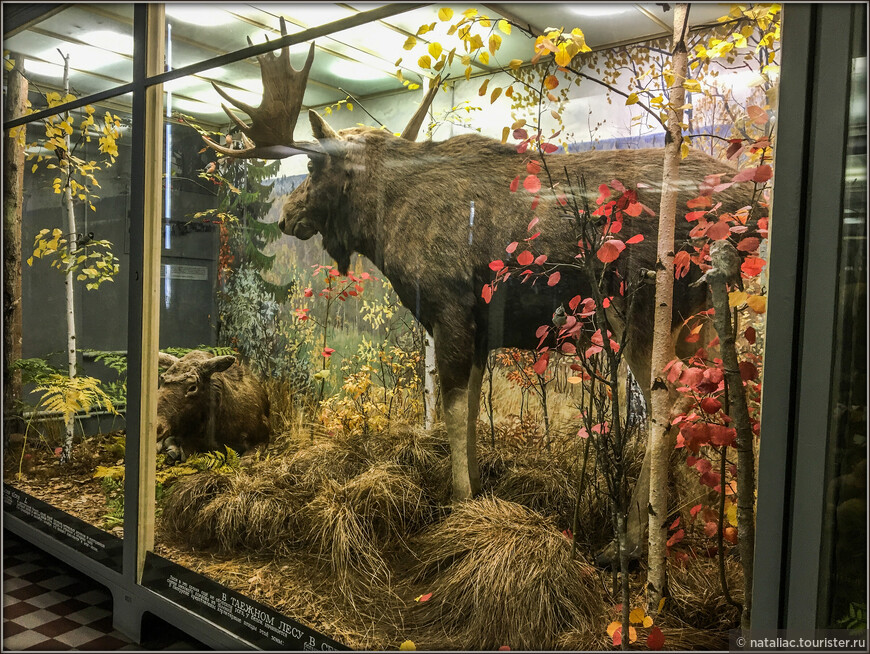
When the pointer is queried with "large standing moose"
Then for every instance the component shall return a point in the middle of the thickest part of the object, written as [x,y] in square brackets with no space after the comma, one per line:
[433,215]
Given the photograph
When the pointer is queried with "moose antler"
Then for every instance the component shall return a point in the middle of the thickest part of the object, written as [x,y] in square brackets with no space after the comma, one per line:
[413,128]
[270,134]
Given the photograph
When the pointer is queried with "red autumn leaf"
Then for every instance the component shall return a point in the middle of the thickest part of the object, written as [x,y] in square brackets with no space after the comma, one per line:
[710,529]
[637,238]
[634,209]
[711,479]
[744,175]
[496,265]
[676,538]
[682,262]
[711,404]
[757,115]
[425,598]
[521,134]
[609,250]
[549,148]
[730,534]
[543,329]
[540,259]
[748,371]
[675,523]
[327,351]
[525,258]
[532,184]
[504,648]
[511,247]
[702,465]
[749,334]
[721,435]
[515,184]
[656,639]
[603,194]
[694,510]
[535,202]
[762,174]
[554,279]
[560,197]
[694,215]
[486,293]
[713,375]
[574,301]
[752,266]
[749,244]
[532,223]
[308,292]
[569,348]
[541,364]
[734,149]
[719,231]
[522,147]
[534,167]
[701,202]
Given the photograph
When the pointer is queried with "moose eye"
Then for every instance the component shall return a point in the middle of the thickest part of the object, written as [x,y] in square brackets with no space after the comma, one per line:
[310,166]
[191,389]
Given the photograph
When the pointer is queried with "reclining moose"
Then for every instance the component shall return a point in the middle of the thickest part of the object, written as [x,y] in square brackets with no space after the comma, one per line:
[205,402]
[433,215]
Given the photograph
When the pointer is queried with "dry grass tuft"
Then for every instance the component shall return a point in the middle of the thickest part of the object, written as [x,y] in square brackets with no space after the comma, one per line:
[311,467]
[183,508]
[697,597]
[355,526]
[501,574]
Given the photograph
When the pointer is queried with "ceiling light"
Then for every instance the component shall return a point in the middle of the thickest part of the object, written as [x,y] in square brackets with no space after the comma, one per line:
[109,40]
[195,107]
[83,57]
[595,11]
[352,70]
[43,68]
[199,15]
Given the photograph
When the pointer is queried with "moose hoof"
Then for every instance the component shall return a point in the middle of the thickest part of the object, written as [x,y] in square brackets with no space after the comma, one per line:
[608,558]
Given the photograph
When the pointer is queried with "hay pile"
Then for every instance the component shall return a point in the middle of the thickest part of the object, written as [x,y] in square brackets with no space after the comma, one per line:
[501,574]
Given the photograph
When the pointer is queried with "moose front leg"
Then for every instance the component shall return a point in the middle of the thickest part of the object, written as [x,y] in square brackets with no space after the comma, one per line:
[460,389]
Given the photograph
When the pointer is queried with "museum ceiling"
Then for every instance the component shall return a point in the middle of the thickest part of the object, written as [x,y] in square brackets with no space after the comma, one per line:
[359,61]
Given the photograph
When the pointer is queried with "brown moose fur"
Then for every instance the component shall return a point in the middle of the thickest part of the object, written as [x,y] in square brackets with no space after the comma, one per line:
[406,206]
[205,402]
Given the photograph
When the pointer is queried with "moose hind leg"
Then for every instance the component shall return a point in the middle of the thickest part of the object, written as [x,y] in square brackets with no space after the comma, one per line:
[459,381]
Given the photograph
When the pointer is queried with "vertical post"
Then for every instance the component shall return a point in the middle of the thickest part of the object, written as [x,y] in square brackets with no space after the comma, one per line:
[143,310]
[13,196]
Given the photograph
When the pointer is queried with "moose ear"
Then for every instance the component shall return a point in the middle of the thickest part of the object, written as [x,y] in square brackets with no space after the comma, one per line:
[320,128]
[216,364]
[165,360]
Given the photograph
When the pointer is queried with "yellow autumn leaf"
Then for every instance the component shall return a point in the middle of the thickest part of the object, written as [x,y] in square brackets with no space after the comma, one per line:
[758,303]
[483,57]
[647,622]
[504,26]
[612,627]
[494,43]
[410,42]
[563,57]
[632,99]
[470,13]
[482,89]
[33,169]
[731,515]
[692,85]
[424,62]
[408,645]
[636,616]
[684,150]
[661,605]
[515,63]
[510,92]
[504,133]
[445,13]
[435,49]
[349,106]
[736,298]
[574,380]
[495,93]
[30,261]
[550,82]
[467,73]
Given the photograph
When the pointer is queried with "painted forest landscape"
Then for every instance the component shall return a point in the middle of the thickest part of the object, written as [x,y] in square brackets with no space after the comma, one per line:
[459,390]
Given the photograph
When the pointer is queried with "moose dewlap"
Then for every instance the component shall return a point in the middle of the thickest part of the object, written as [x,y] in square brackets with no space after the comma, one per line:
[206,402]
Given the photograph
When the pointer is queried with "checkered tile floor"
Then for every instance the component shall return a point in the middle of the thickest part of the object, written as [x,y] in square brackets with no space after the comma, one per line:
[48,605]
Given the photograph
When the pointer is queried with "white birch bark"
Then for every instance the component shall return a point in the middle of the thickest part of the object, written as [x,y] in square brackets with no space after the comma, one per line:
[663,347]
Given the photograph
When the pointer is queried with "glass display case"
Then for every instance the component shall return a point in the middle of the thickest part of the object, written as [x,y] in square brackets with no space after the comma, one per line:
[367,326]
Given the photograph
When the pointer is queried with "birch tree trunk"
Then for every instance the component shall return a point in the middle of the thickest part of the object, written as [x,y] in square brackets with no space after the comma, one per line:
[663,347]
[13,195]
[69,214]
[429,377]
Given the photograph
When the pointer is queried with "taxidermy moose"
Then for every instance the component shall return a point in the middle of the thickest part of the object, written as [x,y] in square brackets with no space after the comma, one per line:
[432,216]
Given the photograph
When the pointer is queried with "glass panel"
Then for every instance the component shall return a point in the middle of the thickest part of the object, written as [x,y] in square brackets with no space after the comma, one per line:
[68,445]
[394,255]
[843,591]
[97,38]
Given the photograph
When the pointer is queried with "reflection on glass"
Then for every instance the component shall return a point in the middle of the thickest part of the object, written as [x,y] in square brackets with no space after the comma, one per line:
[69,450]
[97,38]
[843,589]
